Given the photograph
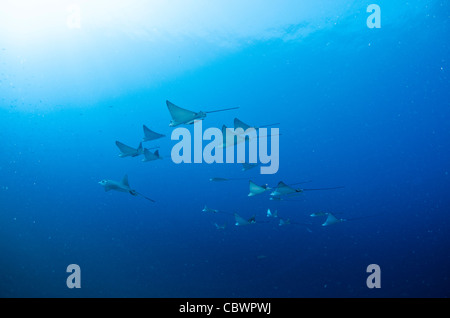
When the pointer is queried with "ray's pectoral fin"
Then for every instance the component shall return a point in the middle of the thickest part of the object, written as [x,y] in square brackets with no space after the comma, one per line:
[125,150]
[125,181]
[150,134]
[180,115]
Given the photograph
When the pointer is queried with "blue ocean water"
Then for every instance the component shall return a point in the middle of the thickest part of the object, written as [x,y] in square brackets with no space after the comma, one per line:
[364,108]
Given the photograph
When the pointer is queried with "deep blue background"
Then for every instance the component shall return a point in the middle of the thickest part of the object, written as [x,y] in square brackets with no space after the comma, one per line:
[374,118]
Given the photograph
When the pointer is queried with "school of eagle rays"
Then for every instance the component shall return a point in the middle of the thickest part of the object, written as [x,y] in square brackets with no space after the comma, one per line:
[278,192]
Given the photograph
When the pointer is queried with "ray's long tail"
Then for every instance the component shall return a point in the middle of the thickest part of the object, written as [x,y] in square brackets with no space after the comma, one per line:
[322,189]
[145,197]
[221,110]
[135,193]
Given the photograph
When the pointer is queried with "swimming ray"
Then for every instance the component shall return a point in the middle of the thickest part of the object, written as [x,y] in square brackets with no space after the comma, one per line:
[256,189]
[214,211]
[127,151]
[150,134]
[182,116]
[121,186]
[206,209]
[272,214]
[331,219]
[284,222]
[316,214]
[281,221]
[219,227]
[284,189]
[240,221]
[150,156]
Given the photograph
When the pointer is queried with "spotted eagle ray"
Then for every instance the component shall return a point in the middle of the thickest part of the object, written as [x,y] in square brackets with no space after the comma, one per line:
[182,116]
[284,189]
[127,151]
[150,156]
[121,186]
